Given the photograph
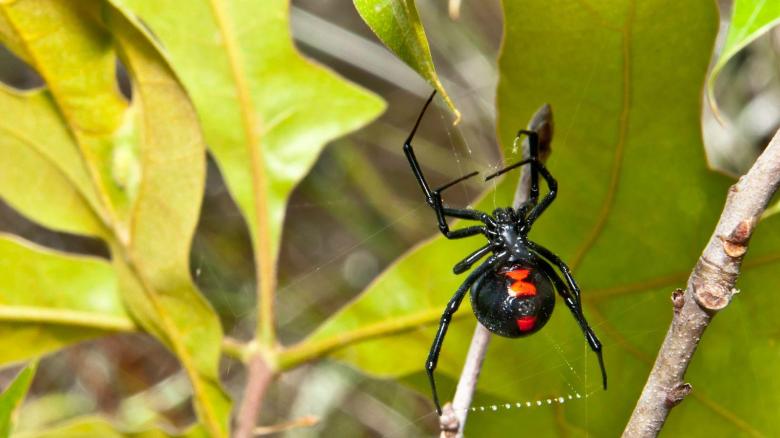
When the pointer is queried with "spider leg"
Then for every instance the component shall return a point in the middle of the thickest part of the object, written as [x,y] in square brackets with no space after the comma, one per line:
[465,232]
[413,160]
[552,184]
[537,167]
[465,264]
[446,317]
[508,168]
[571,296]
[555,260]
[456,180]
[433,197]
[533,142]
[460,213]
[467,213]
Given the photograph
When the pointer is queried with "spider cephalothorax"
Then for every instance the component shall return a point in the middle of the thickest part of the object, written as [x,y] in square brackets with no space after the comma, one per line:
[512,292]
[506,216]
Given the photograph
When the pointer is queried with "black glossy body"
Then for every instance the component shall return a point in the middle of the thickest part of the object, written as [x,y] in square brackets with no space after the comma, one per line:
[498,308]
[512,290]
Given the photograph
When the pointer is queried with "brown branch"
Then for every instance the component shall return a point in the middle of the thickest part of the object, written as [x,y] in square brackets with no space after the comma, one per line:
[453,419]
[710,289]
[259,375]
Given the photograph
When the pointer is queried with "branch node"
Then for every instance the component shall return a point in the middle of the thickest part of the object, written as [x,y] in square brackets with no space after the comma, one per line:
[711,298]
[678,299]
[677,394]
[712,285]
[448,422]
[735,244]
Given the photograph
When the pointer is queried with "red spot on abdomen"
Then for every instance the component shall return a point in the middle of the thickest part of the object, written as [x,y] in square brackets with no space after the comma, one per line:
[521,286]
[526,323]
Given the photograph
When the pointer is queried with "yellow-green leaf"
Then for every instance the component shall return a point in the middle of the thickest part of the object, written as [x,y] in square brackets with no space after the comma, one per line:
[40,34]
[46,180]
[12,397]
[146,162]
[266,111]
[50,300]
[95,426]
[749,20]
[154,266]
[398,25]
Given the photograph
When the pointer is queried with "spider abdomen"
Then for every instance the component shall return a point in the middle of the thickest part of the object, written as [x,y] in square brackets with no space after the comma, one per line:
[514,300]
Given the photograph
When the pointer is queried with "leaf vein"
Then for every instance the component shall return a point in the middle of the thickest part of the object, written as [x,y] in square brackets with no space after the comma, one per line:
[617,163]
[264,260]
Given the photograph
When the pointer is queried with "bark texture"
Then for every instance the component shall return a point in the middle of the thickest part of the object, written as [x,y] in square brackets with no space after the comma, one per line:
[710,289]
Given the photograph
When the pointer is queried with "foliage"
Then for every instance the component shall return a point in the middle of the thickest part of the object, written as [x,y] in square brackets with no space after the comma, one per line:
[137,168]
[132,173]
[398,25]
[637,199]
[749,20]
[12,397]
[288,109]
[97,426]
[75,298]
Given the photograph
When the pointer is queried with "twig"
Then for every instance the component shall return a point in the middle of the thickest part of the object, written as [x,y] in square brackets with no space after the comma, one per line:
[235,349]
[709,290]
[307,421]
[259,375]
[453,419]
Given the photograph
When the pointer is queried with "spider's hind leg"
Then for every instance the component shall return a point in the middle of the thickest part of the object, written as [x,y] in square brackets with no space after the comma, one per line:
[446,318]
[570,296]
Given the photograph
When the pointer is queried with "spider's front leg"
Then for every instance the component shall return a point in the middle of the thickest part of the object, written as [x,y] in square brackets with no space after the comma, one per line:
[446,318]
[433,197]
[571,296]
[552,186]
[533,143]
[537,167]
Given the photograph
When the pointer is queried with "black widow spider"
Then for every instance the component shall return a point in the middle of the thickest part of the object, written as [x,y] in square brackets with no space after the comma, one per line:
[512,291]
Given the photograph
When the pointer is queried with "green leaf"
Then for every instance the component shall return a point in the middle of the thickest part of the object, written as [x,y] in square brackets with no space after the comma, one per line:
[266,111]
[146,162]
[50,300]
[46,180]
[37,33]
[12,397]
[749,20]
[94,426]
[636,205]
[155,271]
[398,25]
